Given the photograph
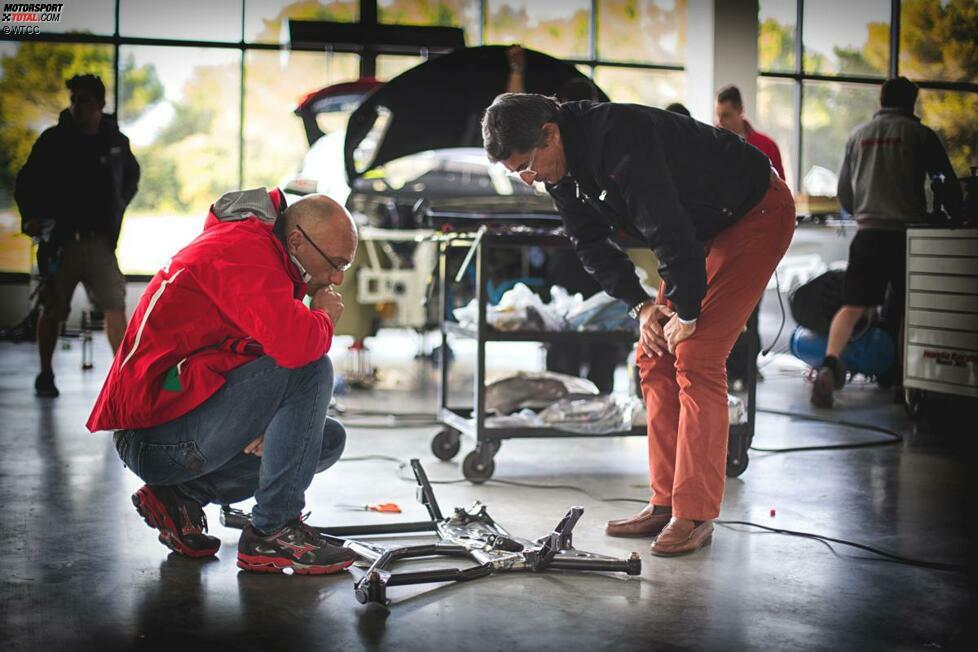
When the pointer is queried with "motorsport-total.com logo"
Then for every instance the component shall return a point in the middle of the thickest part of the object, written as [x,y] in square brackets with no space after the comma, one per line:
[27,17]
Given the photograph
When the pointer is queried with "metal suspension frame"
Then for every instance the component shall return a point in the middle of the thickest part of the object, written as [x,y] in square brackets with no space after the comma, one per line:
[466,534]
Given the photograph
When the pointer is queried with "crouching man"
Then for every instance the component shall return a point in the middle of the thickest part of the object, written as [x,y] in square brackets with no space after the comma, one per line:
[220,388]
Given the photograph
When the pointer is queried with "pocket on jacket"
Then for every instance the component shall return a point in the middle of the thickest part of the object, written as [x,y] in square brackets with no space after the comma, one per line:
[168,463]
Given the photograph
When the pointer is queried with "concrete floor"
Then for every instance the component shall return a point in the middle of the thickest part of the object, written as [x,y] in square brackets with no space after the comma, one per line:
[80,569]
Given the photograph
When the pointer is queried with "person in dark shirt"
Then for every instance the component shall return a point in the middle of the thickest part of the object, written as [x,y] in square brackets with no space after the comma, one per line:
[72,192]
[718,218]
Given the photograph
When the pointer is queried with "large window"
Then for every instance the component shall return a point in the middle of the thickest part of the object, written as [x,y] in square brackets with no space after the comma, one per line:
[207,95]
[777,24]
[642,30]
[186,145]
[776,118]
[650,87]
[560,29]
[32,95]
[265,20]
[92,17]
[858,44]
[457,13]
[188,20]
[275,84]
[810,106]
[829,113]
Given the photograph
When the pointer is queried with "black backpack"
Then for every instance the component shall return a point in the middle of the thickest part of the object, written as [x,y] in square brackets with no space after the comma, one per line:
[814,304]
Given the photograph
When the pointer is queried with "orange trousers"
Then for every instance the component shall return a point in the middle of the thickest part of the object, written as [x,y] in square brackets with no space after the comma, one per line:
[686,393]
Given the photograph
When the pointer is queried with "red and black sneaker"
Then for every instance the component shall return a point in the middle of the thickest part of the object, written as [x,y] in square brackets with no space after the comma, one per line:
[181,521]
[296,546]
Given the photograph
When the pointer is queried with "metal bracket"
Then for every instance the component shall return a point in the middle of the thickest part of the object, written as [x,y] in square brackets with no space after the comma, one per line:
[468,533]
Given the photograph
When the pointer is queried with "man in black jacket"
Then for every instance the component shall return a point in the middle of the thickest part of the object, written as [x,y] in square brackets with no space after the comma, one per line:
[718,219]
[72,193]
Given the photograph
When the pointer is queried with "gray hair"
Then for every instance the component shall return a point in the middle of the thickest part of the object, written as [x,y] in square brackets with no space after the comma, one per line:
[514,123]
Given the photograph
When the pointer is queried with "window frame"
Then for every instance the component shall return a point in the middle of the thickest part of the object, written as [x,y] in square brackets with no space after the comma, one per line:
[799,77]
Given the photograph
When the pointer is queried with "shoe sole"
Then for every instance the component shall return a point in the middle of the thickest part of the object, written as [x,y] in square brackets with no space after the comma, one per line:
[635,535]
[154,513]
[260,564]
[705,543]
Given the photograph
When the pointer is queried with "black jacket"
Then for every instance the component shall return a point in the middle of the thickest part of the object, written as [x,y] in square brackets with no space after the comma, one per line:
[658,176]
[46,187]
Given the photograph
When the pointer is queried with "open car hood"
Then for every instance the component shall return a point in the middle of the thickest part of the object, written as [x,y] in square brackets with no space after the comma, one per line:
[439,104]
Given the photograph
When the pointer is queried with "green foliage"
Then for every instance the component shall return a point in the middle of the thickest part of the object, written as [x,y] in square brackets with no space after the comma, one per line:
[422,12]
[937,42]
[140,88]
[32,94]
[776,46]
[937,39]
[306,10]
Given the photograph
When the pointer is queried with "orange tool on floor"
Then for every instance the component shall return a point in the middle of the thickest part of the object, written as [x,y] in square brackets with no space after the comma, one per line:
[389,508]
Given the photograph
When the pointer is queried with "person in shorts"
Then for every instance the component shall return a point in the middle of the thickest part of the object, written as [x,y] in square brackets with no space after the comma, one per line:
[881,184]
[72,193]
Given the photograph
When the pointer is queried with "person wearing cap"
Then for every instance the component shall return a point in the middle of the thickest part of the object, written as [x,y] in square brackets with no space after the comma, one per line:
[718,219]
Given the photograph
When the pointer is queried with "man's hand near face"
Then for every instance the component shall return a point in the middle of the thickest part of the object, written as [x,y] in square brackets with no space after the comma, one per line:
[327,299]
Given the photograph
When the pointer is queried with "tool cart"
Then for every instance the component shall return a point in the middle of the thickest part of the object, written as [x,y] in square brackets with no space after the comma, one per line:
[478,465]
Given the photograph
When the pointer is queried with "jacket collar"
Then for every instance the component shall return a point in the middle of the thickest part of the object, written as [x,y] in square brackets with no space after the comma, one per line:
[895,111]
[568,121]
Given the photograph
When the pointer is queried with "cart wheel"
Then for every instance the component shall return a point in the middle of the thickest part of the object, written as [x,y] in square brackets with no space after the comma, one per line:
[913,400]
[736,466]
[478,467]
[446,444]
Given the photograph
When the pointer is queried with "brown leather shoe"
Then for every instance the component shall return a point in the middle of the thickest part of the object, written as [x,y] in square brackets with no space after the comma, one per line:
[643,524]
[682,536]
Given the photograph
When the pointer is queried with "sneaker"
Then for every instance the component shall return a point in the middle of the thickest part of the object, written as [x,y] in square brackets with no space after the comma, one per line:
[822,388]
[44,386]
[297,546]
[181,521]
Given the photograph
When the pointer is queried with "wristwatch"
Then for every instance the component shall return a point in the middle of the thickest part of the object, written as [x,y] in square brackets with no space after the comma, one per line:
[636,310]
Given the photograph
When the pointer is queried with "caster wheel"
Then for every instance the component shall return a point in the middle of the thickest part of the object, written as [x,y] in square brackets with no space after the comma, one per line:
[913,401]
[446,444]
[736,467]
[478,467]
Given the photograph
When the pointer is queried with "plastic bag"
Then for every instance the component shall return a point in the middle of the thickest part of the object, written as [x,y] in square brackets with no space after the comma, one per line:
[599,415]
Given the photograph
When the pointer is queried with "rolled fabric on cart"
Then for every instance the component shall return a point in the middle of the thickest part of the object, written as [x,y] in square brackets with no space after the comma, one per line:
[534,390]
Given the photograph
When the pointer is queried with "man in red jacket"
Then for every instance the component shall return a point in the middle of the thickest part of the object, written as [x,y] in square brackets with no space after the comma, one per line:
[220,388]
[730,116]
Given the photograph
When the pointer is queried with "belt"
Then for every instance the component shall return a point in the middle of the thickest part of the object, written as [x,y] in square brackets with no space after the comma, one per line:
[85,235]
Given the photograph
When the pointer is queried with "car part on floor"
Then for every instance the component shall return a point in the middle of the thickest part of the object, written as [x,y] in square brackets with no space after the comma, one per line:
[468,533]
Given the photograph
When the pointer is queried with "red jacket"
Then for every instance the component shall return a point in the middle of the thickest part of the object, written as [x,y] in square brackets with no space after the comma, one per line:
[228,296]
[766,145]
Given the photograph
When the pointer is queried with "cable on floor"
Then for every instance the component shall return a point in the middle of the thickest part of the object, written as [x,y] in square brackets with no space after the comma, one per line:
[826,540]
[893,437]
[887,556]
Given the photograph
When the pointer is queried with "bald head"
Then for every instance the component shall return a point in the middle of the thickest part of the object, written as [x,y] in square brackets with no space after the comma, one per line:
[320,213]
[332,232]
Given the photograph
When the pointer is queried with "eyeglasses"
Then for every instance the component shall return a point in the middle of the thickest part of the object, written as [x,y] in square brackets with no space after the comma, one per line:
[527,175]
[339,268]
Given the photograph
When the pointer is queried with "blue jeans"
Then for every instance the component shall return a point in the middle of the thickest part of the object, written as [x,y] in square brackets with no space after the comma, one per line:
[202,452]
